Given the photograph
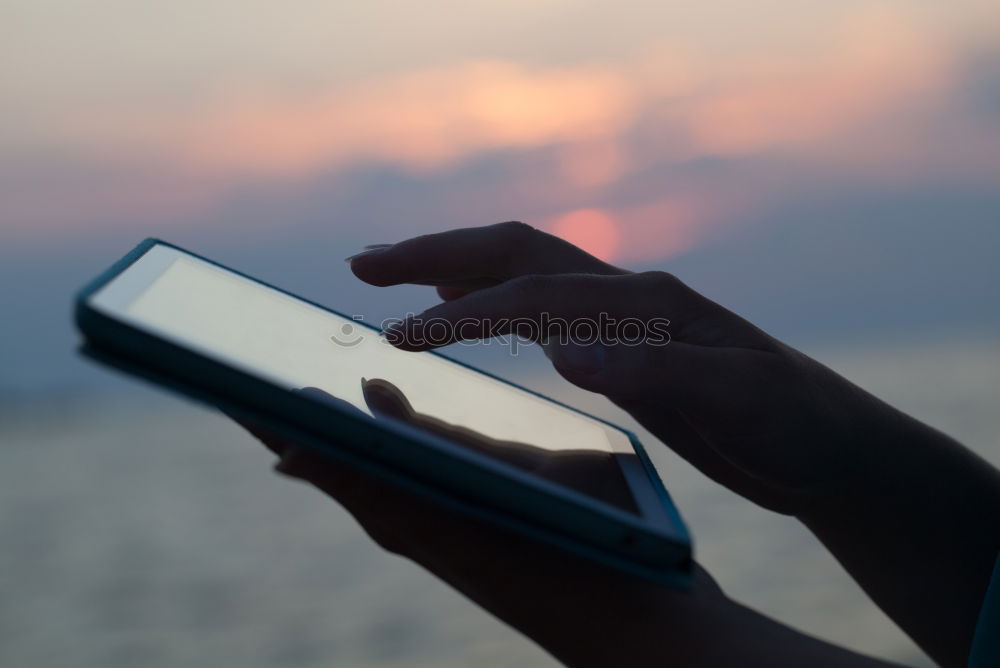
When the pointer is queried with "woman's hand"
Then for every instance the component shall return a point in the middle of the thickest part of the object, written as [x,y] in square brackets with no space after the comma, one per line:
[910,513]
[582,613]
[751,413]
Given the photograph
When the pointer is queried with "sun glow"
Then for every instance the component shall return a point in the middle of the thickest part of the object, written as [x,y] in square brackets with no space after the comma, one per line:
[863,96]
[593,230]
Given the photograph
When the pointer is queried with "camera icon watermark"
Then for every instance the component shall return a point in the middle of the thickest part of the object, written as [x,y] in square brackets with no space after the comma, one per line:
[348,334]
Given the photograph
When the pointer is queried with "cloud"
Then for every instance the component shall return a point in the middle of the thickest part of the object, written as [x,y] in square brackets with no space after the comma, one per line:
[877,66]
[868,97]
[881,66]
[423,120]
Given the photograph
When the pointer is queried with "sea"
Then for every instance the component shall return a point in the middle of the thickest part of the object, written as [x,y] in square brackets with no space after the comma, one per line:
[139,529]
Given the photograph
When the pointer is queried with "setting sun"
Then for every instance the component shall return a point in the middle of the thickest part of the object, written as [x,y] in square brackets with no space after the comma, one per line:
[593,230]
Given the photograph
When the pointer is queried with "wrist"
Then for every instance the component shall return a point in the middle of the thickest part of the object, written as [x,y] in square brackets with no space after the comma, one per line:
[876,446]
[681,634]
[636,623]
[724,633]
[917,525]
[889,456]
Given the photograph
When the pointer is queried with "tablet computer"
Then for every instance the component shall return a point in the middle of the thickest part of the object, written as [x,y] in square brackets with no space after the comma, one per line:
[464,438]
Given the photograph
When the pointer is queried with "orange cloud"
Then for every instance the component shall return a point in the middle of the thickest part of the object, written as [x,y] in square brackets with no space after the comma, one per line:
[591,164]
[881,65]
[848,100]
[421,120]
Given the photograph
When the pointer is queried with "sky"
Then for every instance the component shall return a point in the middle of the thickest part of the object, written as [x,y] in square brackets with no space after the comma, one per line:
[828,169]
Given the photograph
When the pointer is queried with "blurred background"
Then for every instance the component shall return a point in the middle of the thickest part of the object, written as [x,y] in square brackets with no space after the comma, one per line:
[830,170]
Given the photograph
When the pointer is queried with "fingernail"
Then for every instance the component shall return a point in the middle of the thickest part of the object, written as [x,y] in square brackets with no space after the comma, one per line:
[370,249]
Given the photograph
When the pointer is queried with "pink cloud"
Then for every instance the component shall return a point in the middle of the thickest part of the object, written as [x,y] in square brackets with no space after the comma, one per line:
[423,120]
[861,99]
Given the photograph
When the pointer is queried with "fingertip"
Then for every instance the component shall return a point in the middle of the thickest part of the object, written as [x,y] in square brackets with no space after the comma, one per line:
[406,336]
[384,398]
[302,464]
[368,251]
[289,462]
[411,347]
[367,269]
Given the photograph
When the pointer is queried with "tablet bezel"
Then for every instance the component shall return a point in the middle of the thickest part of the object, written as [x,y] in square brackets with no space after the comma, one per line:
[655,536]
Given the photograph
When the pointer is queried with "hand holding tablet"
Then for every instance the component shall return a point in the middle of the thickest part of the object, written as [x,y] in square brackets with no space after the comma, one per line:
[553,520]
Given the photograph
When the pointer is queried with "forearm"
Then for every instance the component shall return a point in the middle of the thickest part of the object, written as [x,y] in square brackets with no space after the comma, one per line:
[728,635]
[918,527]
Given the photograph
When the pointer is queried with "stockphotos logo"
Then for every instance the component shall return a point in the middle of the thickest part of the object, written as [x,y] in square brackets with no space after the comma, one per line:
[413,331]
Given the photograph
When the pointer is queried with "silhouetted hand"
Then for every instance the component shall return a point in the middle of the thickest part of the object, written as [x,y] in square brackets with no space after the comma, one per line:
[753,414]
[583,613]
[910,513]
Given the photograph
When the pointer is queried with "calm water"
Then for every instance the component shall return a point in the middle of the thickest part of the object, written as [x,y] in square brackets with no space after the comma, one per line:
[142,531]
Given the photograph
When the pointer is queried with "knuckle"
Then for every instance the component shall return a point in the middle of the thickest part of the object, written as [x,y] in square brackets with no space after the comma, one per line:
[516,236]
[529,287]
[660,280]
[515,228]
